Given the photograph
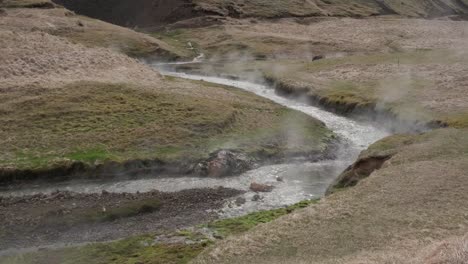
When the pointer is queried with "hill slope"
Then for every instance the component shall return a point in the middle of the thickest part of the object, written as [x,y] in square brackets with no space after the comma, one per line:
[417,198]
[147,13]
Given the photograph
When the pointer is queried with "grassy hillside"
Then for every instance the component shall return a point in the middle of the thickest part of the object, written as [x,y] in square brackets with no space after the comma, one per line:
[95,122]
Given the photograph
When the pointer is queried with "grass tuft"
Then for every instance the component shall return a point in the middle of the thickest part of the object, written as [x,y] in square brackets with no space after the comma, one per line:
[234,226]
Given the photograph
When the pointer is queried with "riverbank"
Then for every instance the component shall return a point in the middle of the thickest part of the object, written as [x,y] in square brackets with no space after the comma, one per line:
[62,218]
[164,247]
[413,202]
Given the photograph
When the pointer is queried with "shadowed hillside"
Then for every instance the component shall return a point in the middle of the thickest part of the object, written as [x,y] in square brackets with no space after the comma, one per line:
[147,13]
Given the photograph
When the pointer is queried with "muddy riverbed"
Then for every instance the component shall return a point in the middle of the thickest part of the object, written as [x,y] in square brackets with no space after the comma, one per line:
[67,217]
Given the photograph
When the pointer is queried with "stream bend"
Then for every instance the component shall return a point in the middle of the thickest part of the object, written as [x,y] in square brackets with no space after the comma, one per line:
[301,180]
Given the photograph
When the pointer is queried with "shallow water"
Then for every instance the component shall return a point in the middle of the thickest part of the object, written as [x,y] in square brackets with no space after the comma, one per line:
[301,180]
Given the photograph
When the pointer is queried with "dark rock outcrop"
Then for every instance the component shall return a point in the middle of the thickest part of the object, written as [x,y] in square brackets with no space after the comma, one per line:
[361,169]
[224,163]
[158,13]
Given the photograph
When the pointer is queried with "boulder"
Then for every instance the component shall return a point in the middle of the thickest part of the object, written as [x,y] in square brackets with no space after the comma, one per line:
[224,163]
[257,187]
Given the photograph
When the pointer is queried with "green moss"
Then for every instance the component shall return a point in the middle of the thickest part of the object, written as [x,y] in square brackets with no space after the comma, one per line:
[344,92]
[141,249]
[233,226]
[90,156]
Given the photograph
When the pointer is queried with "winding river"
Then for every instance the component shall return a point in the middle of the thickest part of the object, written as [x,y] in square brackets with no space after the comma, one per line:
[301,180]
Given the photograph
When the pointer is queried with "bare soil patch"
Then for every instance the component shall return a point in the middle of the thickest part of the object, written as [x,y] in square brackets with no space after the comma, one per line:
[64,217]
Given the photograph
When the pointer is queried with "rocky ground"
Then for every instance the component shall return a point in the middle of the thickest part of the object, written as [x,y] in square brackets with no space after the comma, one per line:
[63,218]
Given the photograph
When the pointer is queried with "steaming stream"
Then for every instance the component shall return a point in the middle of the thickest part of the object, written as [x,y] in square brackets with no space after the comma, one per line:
[302,180]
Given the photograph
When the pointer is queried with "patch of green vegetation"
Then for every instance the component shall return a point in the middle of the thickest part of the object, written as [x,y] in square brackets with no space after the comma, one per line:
[91,155]
[344,92]
[233,226]
[140,249]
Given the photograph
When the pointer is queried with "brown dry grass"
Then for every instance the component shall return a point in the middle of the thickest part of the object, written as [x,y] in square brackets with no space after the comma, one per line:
[452,251]
[414,68]
[87,31]
[281,8]
[62,101]
[418,197]
[302,39]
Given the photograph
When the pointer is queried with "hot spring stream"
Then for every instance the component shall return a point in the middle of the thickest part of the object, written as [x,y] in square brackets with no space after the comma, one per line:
[302,180]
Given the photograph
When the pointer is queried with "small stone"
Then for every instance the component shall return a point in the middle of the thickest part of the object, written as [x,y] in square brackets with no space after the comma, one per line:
[240,201]
[279,178]
[256,198]
[317,57]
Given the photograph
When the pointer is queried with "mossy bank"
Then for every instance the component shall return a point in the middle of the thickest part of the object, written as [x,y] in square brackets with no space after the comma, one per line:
[95,129]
